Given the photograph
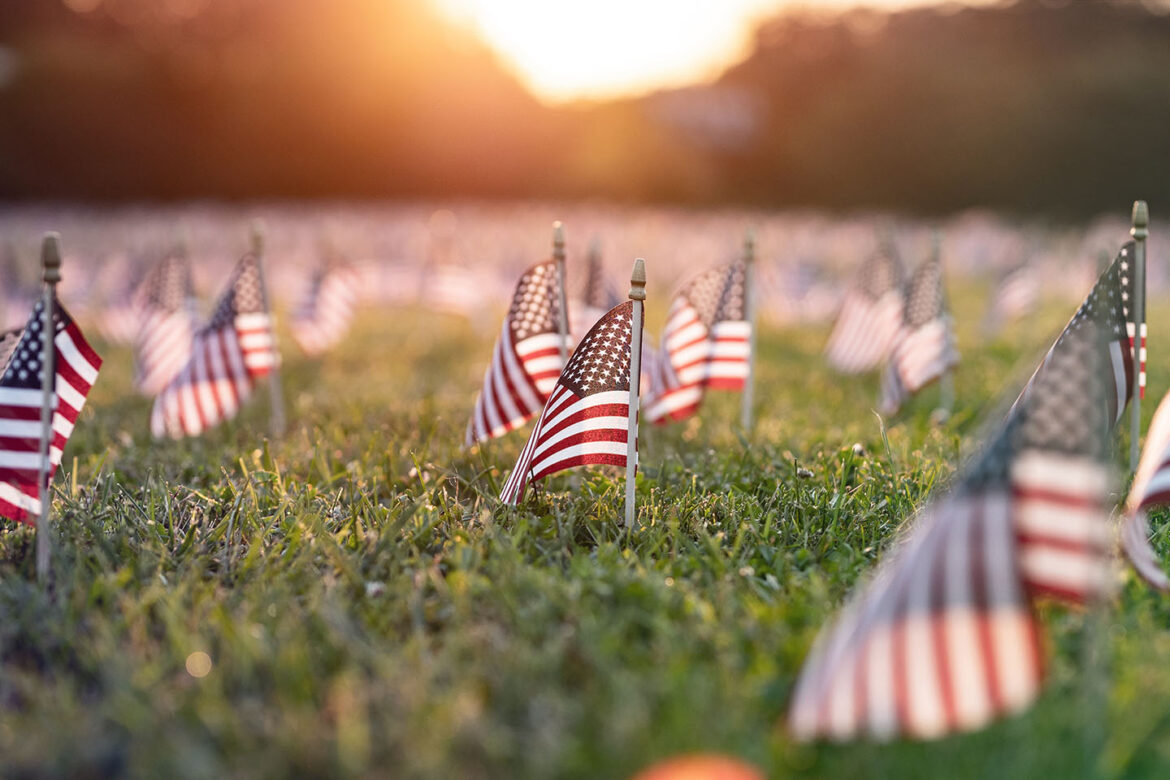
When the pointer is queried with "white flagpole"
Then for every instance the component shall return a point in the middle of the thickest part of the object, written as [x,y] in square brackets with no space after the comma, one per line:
[749,314]
[275,391]
[51,263]
[1139,231]
[637,296]
[563,312]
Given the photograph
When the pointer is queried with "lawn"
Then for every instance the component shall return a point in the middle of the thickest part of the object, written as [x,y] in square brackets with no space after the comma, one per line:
[352,600]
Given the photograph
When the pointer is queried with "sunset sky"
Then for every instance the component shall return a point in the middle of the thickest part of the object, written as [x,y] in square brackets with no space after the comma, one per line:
[569,49]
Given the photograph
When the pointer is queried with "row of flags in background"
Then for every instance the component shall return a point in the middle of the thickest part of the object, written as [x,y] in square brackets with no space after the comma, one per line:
[902,322]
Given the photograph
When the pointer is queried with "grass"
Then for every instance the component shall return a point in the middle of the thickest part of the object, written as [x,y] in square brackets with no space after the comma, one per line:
[369,609]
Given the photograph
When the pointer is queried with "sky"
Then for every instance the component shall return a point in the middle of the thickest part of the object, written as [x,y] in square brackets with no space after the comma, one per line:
[565,50]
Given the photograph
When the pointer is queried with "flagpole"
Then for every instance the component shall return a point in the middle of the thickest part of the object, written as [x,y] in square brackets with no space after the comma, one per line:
[946,382]
[1139,231]
[637,296]
[51,264]
[563,309]
[275,391]
[749,314]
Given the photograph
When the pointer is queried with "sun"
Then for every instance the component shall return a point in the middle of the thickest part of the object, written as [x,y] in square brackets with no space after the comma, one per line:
[570,49]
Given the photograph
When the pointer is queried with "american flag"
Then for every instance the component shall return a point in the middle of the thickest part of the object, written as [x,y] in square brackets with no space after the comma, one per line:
[1106,313]
[870,315]
[598,297]
[944,638]
[227,357]
[324,315]
[705,344]
[1151,488]
[586,419]
[1015,295]
[165,324]
[76,368]
[527,358]
[924,347]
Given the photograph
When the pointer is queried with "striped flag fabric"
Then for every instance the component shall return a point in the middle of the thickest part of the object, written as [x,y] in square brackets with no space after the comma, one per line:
[228,356]
[586,418]
[944,638]
[870,317]
[527,358]
[165,313]
[1106,313]
[705,344]
[924,346]
[1151,488]
[597,297]
[75,370]
[323,316]
[1015,295]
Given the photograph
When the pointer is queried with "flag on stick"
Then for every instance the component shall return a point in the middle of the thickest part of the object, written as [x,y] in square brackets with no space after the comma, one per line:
[1106,313]
[527,358]
[75,369]
[705,344]
[325,312]
[228,355]
[870,317]
[924,346]
[1015,295]
[944,638]
[165,324]
[591,415]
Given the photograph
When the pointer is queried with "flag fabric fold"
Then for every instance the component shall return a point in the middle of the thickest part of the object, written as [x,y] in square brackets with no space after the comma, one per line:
[323,316]
[165,324]
[75,370]
[944,639]
[924,346]
[705,344]
[586,418]
[526,361]
[228,356]
[870,316]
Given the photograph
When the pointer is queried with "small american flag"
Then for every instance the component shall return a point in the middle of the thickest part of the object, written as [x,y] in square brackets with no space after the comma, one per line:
[76,368]
[705,344]
[1106,314]
[527,358]
[227,357]
[1151,488]
[586,419]
[1015,295]
[944,638]
[870,315]
[324,315]
[165,315]
[598,297]
[924,347]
